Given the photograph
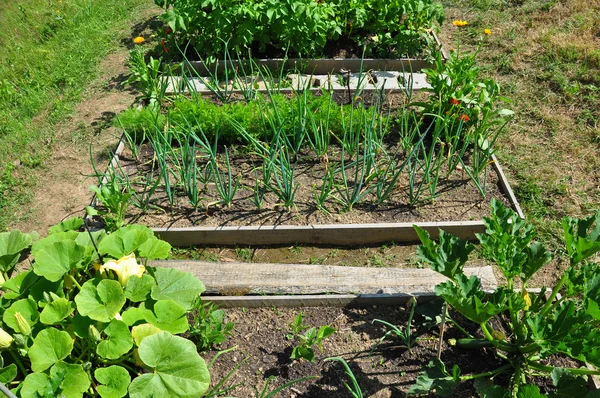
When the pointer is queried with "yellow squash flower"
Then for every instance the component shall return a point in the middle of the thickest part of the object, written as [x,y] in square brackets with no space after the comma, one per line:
[139,40]
[125,268]
[460,23]
[487,31]
[5,339]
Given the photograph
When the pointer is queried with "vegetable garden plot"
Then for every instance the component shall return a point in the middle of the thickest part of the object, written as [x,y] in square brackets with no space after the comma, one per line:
[290,167]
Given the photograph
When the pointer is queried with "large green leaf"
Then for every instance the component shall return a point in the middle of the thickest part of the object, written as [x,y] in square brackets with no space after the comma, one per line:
[138,289]
[27,308]
[100,300]
[446,257]
[140,332]
[74,381]
[469,299]
[507,239]
[56,311]
[8,373]
[11,245]
[38,385]
[125,241]
[435,378]
[49,347]
[178,370]
[114,381]
[582,237]
[51,239]
[168,315]
[172,284]
[70,224]
[53,261]
[487,389]
[119,340]
[154,249]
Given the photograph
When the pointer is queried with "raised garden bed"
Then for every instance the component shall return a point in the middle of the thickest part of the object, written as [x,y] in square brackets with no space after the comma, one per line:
[350,234]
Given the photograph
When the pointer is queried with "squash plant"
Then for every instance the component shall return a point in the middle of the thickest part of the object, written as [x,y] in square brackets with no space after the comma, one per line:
[536,328]
[88,318]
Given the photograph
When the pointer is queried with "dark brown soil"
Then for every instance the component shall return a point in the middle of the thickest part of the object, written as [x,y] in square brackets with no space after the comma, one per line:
[388,371]
[457,200]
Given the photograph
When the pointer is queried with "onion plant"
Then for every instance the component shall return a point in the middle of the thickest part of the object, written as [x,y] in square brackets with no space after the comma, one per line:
[326,189]
[225,183]
[351,192]
[284,186]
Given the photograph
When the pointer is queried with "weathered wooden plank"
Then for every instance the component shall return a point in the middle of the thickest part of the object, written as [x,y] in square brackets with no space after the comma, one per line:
[321,66]
[322,300]
[237,279]
[325,234]
[506,189]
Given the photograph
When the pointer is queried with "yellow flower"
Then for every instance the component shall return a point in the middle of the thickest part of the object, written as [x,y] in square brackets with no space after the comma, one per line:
[5,339]
[460,23]
[487,32]
[139,40]
[125,268]
[527,299]
[22,324]
[58,11]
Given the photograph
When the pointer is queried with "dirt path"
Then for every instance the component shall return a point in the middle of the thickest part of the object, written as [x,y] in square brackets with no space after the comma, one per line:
[62,184]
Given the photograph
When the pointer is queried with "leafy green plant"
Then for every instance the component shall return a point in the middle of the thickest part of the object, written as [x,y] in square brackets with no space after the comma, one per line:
[536,327]
[89,317]
[148,76]
[115,197]
[305,341]
[208,327]
[399,27]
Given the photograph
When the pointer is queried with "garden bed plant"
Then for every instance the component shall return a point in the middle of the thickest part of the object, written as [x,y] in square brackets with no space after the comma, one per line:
[86,317]
[308,158]
[299,28]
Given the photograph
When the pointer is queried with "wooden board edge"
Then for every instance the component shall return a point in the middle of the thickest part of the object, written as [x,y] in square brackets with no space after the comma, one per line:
[319,300]
[506,188]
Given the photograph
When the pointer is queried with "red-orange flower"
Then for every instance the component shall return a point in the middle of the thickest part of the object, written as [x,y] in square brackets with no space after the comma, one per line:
[168,30]
[464,118]
[454,101]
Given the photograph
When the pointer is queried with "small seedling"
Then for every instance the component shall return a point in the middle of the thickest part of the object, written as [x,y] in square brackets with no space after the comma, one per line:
[208,327]
[306,341]
[404,333]
[355,390]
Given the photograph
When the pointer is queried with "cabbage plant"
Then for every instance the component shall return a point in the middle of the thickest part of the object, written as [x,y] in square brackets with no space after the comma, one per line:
[88,317]
[537,327]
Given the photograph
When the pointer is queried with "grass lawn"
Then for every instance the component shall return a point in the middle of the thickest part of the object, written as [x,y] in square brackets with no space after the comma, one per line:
[51,51]
[546,57]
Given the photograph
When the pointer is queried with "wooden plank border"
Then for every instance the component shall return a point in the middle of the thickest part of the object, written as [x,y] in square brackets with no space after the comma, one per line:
[317,300]
[321,66]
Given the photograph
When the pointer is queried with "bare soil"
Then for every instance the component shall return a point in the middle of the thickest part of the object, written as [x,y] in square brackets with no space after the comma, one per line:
[387,369]
[457,199]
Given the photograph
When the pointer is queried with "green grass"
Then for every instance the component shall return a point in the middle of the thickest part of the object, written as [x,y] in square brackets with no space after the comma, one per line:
[51,52]
[545,56]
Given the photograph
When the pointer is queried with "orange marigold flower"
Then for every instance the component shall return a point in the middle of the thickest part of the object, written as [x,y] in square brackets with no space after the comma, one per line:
[464,118]
[454,101]
[459,23]
[487,31]
[139,40]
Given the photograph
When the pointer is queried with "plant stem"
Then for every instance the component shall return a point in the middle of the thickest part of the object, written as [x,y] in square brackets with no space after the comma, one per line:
[486,374]
[18,362]
[555,291]
[575,371]
[75,282]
